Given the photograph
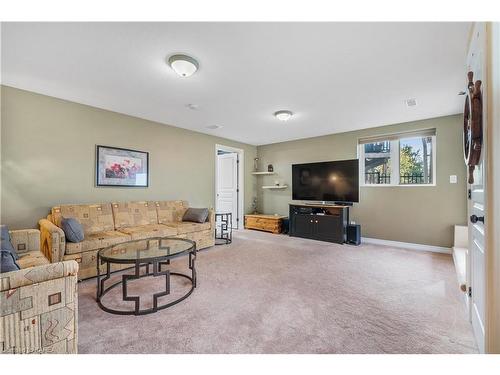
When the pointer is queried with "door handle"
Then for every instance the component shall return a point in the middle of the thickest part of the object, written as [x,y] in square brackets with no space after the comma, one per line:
[474,219]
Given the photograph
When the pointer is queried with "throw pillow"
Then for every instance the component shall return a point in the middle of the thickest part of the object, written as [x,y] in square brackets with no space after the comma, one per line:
[196,215]
[8,262]
[6,244]
[72,229]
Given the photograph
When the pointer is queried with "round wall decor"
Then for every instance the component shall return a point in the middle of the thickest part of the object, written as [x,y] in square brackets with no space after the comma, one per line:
[473,125]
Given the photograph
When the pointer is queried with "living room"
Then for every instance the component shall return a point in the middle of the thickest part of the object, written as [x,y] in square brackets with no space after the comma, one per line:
[249,187]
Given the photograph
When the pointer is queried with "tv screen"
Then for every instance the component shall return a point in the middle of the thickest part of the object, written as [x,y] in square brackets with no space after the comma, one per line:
[332,181]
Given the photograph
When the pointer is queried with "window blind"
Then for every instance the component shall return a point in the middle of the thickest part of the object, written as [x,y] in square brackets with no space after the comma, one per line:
[396,136]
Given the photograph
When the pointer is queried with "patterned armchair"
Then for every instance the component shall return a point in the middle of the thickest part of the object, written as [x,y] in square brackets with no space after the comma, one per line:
[39,303]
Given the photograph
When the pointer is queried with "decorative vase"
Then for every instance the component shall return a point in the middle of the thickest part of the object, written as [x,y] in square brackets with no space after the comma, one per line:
[256,164]
[270,168]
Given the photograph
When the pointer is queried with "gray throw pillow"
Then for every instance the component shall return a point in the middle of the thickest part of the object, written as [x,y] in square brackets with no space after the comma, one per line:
[6,243]
[197,215]
[73,229]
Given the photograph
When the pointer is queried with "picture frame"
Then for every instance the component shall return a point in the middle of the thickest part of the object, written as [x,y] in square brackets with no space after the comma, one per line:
[121,167]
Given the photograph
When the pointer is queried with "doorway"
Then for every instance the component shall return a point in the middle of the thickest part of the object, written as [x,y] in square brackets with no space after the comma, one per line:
[229,182]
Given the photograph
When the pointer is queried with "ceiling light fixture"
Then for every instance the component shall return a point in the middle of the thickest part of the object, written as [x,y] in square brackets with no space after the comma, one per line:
[183,65]
[412,102]
[283,115]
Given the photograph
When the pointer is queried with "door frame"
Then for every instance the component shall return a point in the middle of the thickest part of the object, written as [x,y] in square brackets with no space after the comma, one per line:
[241,170]
[492,125]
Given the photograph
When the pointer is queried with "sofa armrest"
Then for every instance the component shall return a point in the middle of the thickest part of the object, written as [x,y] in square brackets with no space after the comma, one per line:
[53,241]
[39,274]
[40,309]
[25,240]
[211,218]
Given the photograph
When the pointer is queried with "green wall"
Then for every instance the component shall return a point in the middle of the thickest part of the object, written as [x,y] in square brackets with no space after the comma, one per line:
[423,215]
[48,157]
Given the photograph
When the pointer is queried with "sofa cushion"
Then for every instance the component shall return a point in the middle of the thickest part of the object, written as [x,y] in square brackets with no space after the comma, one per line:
[73,230]
[196,215]
[8,262]
[171,211]
[32,259]
[149,231]
[187,227]
[132,214]
[96,241]
[94,218]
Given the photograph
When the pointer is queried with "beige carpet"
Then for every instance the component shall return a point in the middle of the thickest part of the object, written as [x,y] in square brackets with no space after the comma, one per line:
[270,293]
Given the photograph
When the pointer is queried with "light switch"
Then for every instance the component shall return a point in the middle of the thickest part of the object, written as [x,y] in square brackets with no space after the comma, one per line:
[453,179]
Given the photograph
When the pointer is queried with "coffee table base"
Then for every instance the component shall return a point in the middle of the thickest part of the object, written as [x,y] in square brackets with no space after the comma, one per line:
[157,272]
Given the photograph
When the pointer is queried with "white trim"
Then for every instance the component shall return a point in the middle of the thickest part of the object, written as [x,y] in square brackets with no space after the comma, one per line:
[407,245]
[241,186]
[394,162]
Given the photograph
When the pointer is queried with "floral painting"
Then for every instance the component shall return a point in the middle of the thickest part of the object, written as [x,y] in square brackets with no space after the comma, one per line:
[121,167]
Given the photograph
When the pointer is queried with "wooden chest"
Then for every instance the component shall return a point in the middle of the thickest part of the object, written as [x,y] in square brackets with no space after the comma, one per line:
[268,223]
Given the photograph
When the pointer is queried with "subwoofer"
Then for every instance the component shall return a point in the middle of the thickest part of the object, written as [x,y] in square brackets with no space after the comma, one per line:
[354,234]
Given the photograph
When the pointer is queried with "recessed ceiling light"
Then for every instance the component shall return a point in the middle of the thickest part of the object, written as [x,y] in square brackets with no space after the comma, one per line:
[183,65]
[213,127]
[283,115]
[412,102]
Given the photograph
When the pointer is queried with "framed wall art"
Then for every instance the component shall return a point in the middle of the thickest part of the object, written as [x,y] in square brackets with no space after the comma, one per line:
[121,167]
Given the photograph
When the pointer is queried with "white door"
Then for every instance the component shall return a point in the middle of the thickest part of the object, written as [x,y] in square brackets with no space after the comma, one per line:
[227,185]
[476,206]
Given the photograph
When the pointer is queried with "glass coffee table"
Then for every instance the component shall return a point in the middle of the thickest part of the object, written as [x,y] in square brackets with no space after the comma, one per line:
[151,253]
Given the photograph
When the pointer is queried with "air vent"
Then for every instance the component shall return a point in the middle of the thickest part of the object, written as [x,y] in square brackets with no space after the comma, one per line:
[412,102]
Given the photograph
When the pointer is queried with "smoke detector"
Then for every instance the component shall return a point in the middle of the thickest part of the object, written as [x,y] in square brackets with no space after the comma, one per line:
[412,102]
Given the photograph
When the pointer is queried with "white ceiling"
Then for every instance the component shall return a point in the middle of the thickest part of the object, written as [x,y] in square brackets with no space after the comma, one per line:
[335,77]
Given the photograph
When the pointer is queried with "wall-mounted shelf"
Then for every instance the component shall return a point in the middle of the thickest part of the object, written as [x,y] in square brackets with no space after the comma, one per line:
[275,187]
[263,173]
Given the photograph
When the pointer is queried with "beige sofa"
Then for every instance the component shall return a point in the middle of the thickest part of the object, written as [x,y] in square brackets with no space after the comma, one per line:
[39,302]
[107,224]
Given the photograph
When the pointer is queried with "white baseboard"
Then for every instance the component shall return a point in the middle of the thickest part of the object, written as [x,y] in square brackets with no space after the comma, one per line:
[407,245]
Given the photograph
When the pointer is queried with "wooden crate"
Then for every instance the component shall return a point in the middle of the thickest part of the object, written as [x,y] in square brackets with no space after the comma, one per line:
[268,223]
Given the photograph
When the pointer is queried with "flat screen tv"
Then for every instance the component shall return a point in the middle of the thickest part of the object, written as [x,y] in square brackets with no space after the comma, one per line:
[329,181]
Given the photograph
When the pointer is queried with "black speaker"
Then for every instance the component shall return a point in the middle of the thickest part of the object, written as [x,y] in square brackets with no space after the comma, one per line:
[354,234]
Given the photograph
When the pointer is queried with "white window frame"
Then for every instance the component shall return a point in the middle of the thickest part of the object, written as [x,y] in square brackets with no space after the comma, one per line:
[395,172]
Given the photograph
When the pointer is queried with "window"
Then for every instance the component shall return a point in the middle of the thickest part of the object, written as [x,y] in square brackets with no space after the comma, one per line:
[398,159]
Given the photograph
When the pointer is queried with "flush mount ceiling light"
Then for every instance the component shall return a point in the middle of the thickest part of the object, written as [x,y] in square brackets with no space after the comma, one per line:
[183,65]
[412,102]
[283,115]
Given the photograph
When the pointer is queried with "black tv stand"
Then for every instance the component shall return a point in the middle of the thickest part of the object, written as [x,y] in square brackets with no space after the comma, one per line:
[346,204]
[319,222]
